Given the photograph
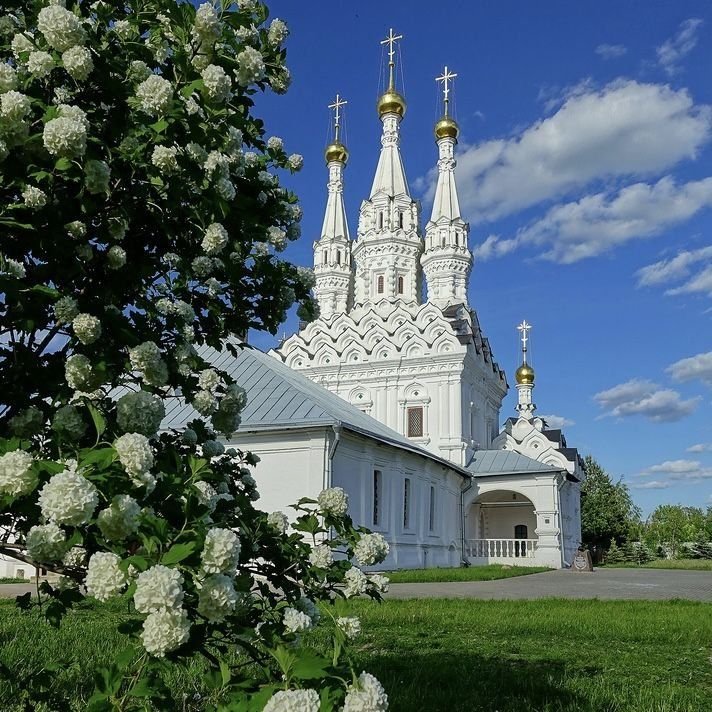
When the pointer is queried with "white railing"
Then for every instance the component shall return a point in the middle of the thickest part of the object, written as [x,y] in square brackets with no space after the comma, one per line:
[500,548]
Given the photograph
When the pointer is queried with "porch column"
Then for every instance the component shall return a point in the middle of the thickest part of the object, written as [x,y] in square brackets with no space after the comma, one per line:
[548,548]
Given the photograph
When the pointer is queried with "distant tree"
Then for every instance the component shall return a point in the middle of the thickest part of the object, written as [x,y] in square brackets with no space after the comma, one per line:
[671,525]
[607,509]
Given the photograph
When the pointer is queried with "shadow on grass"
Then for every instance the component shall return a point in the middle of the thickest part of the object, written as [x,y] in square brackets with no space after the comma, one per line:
[441,682]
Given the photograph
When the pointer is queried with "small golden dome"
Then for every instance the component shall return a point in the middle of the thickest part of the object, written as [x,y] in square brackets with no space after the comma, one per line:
[446,127]
[391,103]
[525,375]
[336,152]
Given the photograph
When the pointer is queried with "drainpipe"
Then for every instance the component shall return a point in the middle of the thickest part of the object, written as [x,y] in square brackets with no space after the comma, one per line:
[332,451]
[462,518]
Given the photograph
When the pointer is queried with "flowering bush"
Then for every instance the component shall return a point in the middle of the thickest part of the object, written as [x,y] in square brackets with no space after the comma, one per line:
[141,215]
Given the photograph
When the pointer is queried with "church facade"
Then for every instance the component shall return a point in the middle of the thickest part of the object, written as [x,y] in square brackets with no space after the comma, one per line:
[398,339]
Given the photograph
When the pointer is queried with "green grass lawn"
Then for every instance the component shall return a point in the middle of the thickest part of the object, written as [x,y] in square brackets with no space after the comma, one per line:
[450,656]
[14,580]
[471,573]
[687,564]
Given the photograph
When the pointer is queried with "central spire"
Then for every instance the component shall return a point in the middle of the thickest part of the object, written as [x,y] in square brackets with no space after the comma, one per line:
[525,377]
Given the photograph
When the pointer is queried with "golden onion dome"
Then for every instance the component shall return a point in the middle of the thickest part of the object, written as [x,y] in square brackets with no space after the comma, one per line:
[525,375]
[446,127]
[391,103]
[336,152]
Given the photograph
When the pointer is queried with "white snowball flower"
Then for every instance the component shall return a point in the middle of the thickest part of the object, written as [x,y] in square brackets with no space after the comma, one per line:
[333,501]
[367,695]
[296,161]
[13,268]
[164,631]
[155,95]
[209,379]
[207,496]
[120,519]
[217,598]
[60,27]
[65,309]
[221,552]
[205,402]
[306,275]
[277,32]
[78,62]
[293,701]
[116,257]
[225,189]
[159,588]
[250,66]
[213,448]
[123,29]
[165,158]
[207,26]
[68,111]
[75,557]
[140,412]
[277,238]
[280,82]
[321,556]
[215,239]
[87,328]
[104,577]
[65,136]
[371,549]
[135,455]
[34,197]
[68,423]
[21,44]
[146,357]
[96,176]
[68,498]
[275,143]
[8,77]
[76,228]
[46,542]
[295,621]
[380,582]
[79,373]
[350,625]
[40,64]
[16,474]
[138,71]
[355,582]
[217,83]
[14,106]
[217,164]
[278,521]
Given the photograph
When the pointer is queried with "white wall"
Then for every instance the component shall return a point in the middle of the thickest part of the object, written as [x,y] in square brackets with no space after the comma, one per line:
[12,568]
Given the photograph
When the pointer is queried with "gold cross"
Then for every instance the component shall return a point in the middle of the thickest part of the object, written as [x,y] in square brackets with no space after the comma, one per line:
[390,41]
[524,328]
[338,103]
[446,77]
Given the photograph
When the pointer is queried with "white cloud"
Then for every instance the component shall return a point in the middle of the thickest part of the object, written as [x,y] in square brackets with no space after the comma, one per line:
[679,267]
[698,367]
[627,128]
[608,51]
[557,421]
[700,447]
[676,466]
[640,397]
[673,50]
[652,484]
[600,222]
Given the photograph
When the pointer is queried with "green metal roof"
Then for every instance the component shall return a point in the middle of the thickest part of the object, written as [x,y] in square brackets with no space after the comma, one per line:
[506,462]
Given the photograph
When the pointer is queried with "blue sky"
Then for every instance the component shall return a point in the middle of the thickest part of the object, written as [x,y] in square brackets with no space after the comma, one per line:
[585,173]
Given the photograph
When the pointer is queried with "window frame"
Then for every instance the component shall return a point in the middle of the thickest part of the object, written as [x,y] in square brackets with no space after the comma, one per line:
[415,409]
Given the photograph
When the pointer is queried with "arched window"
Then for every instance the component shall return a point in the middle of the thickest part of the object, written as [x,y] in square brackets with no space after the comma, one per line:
[521,531]
[400,285]
[380,220]
[457,240]
[380,284]
[338,257]
[400,219]
[325,257]
[442,241]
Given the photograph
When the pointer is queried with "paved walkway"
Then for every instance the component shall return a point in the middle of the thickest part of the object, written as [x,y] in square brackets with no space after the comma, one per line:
[609,584]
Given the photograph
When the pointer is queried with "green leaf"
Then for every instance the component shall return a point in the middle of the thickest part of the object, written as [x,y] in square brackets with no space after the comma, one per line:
[309,667]
[54,613]
[225,672]
[142,688]
[177,553]
[24,601]
[160,126]
[98,418]
[62,164]
[45,290]
[101,457]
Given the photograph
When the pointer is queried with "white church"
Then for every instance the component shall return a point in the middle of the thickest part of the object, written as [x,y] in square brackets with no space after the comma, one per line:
[393,393]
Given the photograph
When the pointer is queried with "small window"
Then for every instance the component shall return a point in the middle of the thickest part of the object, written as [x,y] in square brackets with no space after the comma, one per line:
[338,257]
[380,284]
[380,220]
[400,220]
[325,257]
[400,285]
[377,484]
[415,422]
[431,518]
[457,240]
[406,503]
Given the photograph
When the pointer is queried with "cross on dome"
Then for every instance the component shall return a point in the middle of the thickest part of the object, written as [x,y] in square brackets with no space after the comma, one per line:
[390,41]
[524,329]
[338,103]
[446,77]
